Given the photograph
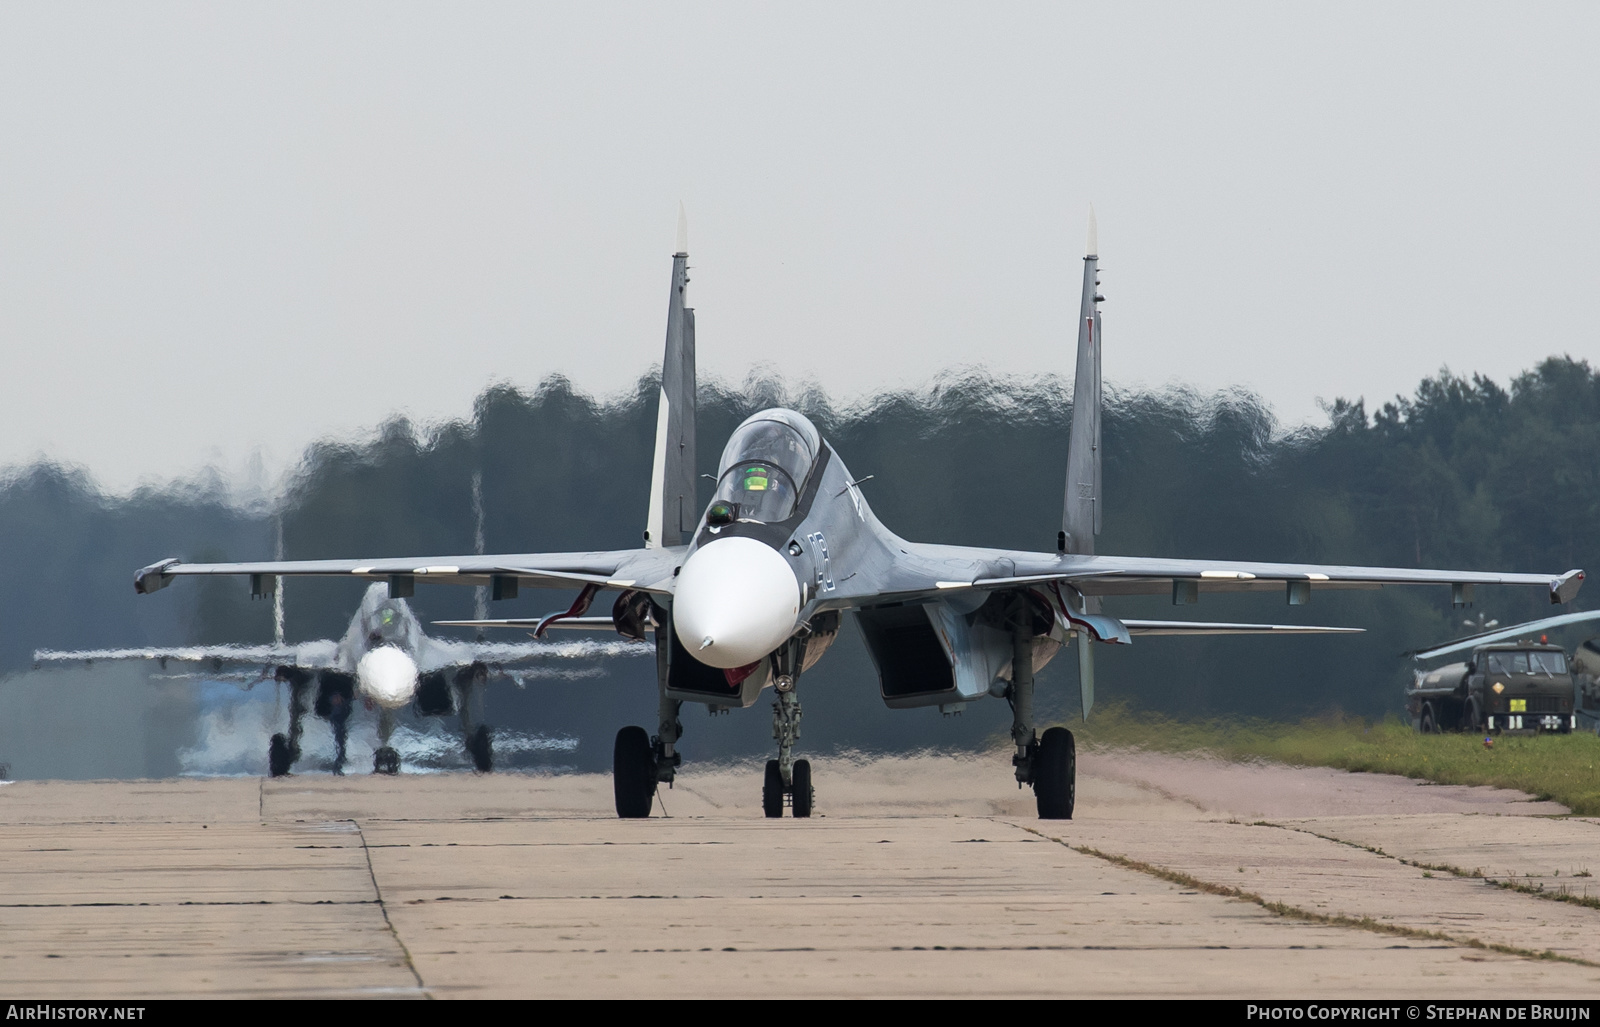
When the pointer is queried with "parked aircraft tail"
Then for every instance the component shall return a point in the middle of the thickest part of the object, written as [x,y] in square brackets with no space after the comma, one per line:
[674,508]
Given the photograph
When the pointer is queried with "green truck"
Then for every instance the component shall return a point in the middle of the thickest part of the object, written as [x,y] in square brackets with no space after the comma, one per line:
[1503,686]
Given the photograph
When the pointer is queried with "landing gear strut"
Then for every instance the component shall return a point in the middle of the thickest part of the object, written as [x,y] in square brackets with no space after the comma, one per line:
[478,740]
[335,695]
[1049,764]
[284,750]
[386,760]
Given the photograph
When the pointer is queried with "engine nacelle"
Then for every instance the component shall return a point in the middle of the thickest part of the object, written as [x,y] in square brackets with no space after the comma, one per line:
[934,654]
[689,680]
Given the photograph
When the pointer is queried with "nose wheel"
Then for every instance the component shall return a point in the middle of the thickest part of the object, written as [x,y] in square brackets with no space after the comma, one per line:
[386,761]
[798,795]
[280,757]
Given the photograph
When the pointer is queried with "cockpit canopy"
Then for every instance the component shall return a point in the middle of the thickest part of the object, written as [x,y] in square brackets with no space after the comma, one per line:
[386,621]
[764,466]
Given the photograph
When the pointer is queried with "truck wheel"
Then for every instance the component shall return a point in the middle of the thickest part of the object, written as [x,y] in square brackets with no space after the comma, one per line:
[1474,716]
[1430,724]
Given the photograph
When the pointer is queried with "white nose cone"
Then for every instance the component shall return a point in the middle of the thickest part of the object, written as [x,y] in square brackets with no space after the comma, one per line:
[735,602]
[387,676]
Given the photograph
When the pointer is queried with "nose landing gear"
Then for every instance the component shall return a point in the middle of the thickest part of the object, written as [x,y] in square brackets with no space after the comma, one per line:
[386,761]
[787,778]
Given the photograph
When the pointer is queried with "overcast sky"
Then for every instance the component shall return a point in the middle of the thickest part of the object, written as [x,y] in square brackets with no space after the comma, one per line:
[232,228]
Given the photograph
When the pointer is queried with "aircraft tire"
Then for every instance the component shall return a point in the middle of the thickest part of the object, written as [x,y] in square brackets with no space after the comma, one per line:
[633,773]
[772,791]
[1055,775]
[803,792]
[386,761]
[480,746]
[279,756]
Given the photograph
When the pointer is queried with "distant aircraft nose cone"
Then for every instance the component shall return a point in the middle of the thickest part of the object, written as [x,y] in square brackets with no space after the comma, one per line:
[387,676]
[736,601]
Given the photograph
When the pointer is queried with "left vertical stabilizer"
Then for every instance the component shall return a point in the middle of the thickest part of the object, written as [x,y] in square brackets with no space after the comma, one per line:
[674,508]
[1081,511]
[1082,507]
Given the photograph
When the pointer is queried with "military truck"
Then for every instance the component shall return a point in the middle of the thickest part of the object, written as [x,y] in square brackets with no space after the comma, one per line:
[1505,686]
[1585,667]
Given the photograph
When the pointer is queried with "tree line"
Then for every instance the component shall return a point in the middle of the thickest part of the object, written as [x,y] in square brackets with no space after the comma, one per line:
[1463,473]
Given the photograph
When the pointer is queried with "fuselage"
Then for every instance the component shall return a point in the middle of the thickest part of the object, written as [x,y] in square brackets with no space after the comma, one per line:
[381,649]
[761,563]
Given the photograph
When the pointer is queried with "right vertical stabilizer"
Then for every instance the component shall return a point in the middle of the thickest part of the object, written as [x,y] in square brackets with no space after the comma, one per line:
[1080,516]
[674,509]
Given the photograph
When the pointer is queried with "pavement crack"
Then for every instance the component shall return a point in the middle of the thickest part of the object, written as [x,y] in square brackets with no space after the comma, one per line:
[384,909]
[1561,893]
[1363,923]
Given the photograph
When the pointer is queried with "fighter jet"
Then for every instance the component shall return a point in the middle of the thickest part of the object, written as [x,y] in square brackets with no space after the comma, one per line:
[385,659]
[747,592]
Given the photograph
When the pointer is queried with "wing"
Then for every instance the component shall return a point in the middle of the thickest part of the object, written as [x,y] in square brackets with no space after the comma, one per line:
[645,570]
[306,654]
[1501,634]
[925,571]
[533,623]
[1190,627]
[440,653]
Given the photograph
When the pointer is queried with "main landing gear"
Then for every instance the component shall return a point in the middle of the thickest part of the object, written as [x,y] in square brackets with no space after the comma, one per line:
[1049,764]
[633,773]
[641,764]
[284,749]
[334,694]
[460,691]
[478,739]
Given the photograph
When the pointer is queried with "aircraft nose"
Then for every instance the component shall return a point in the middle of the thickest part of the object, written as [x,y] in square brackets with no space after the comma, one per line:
[736,600]
[387,676]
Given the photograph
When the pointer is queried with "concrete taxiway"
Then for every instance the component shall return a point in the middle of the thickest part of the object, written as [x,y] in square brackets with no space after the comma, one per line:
[923,876]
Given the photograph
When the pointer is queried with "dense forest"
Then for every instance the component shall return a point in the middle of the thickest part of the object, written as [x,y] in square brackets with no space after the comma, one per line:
[1465,473]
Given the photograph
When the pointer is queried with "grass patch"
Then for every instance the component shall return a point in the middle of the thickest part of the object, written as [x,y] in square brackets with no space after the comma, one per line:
[1564,768]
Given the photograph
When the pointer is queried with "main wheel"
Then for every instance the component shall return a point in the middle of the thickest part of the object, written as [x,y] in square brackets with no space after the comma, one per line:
[803,792]
[1430,723]
[481,748]
[772,791]
[633,773]
[386,761]
[279,756]
[1055,775]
